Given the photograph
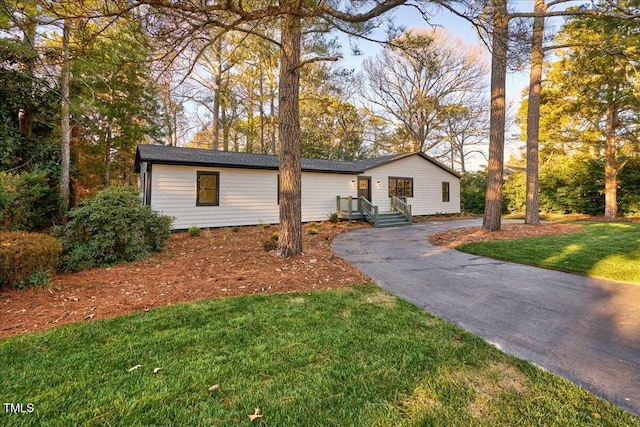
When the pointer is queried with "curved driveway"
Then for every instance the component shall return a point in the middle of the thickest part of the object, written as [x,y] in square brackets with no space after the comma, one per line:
[584,329]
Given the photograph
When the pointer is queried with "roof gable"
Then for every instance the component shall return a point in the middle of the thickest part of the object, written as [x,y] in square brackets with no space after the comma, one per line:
[379,161]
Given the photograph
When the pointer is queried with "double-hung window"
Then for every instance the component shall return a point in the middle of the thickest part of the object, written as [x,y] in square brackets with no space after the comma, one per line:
[208,192]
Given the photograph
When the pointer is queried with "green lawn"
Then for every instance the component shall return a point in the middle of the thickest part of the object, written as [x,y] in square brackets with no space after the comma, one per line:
[606,250]
[350,357]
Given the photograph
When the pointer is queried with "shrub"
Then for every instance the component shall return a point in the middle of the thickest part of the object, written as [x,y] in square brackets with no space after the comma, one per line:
[194,231]
[473,187]
[27,258]
[313,231]
[514,193]
[269,244]
[29,201]
[333,218]
[235,229]
[110,227]
[275,236]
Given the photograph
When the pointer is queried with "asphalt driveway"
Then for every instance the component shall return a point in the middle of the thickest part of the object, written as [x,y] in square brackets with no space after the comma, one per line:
[584,329]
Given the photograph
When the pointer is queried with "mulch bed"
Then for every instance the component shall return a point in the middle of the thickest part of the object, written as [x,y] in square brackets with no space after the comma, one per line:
[219,263]
[459,236]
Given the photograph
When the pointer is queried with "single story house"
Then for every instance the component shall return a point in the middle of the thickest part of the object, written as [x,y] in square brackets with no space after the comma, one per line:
[207,188]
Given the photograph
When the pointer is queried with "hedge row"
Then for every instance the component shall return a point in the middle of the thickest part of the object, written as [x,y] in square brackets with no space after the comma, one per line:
[27,258]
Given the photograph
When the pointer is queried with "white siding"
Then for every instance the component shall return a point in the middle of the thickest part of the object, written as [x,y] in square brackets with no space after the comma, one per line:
[427,186]
[247,196]
[319,192]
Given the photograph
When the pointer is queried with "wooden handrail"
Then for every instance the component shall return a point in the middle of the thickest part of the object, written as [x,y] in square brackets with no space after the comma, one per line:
[399,205]
[344,206]
[370,211]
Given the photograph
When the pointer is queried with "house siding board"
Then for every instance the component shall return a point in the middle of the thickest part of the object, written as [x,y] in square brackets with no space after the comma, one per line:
[427,186]
[319,192]
[247,196]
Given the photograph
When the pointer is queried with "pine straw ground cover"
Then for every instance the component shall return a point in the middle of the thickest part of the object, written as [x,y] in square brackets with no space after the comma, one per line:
[218,263]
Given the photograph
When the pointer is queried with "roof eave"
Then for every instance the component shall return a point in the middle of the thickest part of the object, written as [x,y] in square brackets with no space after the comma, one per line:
[231,166]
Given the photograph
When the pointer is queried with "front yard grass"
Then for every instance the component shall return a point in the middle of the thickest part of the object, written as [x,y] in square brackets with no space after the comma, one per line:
[350,357]
[605,250]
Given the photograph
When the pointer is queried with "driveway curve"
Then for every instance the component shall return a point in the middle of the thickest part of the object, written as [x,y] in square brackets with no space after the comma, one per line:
[586,330]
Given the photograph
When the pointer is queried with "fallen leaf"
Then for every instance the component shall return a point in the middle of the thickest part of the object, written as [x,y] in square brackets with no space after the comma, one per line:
[214,387]
[156,370]
[255,414]
[596,415]
[134,368]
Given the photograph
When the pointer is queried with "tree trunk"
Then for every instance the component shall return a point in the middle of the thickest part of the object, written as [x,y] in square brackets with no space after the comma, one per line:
[290,241]
[74,185]
[249,129]
[272,114]
[533,115]
[610,167]
[215,122]
[64,121]
[25,115]
[261,110]
[107,157]
[493,198]
[224,124]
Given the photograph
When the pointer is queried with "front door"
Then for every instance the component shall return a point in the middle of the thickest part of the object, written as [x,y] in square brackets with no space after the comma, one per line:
[364,187]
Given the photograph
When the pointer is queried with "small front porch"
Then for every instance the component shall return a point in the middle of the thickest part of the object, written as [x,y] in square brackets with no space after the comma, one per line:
[356,208]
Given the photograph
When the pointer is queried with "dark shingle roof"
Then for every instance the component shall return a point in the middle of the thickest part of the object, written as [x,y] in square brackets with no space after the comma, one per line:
[202,157]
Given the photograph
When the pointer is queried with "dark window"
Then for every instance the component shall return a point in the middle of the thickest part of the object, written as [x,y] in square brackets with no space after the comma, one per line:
[445,192]
[400,187]
[208,189]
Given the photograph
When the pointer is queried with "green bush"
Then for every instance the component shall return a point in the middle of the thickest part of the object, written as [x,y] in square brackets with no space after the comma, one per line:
[269,245]
[29,201]
[572,184]
[110,227]
[195,231]
[629,191]
[333,218]
[27,258]
[473,187]
[514,193]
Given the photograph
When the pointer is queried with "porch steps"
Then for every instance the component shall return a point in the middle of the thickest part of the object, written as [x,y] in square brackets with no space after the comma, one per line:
[392,219]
